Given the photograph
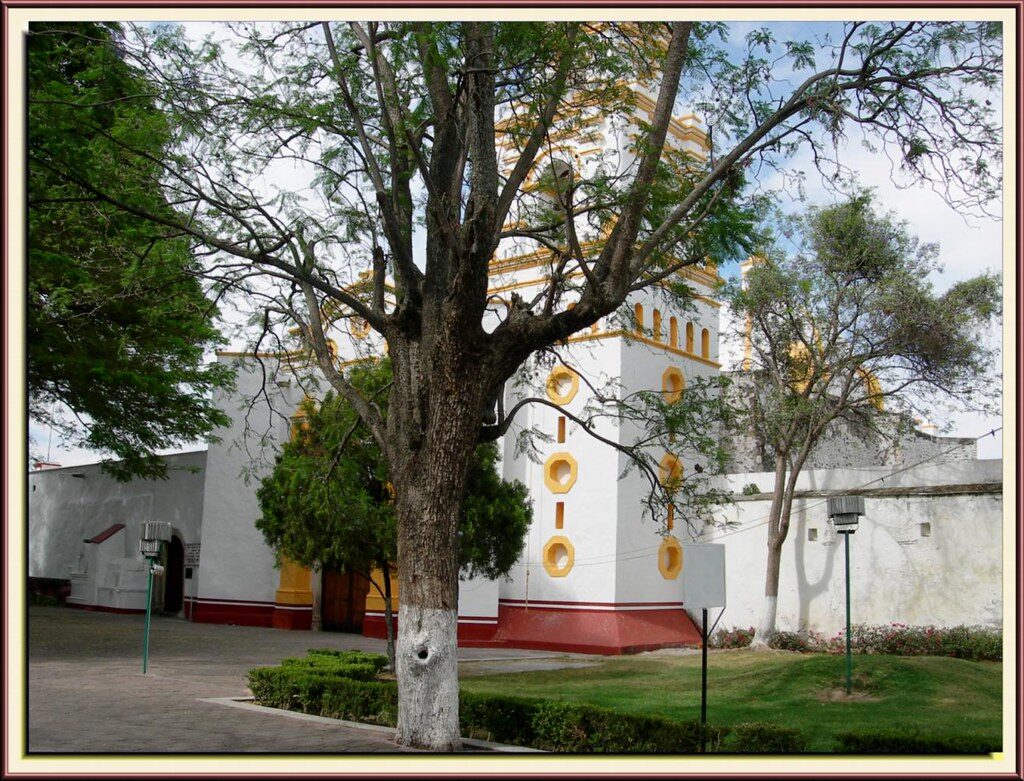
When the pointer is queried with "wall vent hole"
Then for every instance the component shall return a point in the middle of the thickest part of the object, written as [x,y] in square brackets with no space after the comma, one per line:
[812,535]
[926,530]
[422,653]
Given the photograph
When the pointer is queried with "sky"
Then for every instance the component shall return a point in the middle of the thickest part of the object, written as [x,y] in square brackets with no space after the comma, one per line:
[967,247]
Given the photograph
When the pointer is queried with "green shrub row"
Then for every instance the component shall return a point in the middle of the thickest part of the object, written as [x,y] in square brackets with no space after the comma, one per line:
[893,742]
[960,642]
[319,685]
[336,668]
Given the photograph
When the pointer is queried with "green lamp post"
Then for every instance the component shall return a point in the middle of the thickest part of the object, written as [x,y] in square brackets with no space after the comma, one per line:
[845,512]
[152,536]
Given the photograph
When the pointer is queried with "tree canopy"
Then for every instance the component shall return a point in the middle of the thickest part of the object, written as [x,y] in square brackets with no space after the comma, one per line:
[117,320]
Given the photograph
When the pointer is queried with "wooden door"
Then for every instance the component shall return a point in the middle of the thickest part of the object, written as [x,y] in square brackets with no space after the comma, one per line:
[343,601]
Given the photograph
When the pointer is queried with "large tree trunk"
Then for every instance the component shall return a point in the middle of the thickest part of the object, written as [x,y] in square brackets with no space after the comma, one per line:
[429,465]
[425,659]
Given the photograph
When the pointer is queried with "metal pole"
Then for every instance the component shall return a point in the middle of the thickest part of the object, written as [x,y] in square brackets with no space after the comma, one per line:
[849,658]
[149,610]
[704,682]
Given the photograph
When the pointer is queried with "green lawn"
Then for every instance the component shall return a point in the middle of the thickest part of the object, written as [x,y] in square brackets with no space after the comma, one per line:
[936,696]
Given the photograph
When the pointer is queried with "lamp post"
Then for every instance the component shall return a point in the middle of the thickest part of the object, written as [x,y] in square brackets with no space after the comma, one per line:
[845,512]
[152,535]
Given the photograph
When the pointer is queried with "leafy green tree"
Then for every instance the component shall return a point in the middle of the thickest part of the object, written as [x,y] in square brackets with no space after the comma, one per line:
[117,319]
[849,329]
[446,130]
[328,502]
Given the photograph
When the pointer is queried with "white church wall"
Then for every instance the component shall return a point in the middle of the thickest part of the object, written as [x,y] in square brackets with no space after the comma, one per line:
[64,510]
[478,598]
[639,536]
[236,563]
[928,474]
[588,505]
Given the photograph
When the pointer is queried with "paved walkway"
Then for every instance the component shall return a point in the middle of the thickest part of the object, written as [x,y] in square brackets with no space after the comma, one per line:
[87,693]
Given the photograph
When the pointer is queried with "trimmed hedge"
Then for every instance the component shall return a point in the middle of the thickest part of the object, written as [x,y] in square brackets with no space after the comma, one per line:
[498,718]
[377,661]
[333,685]
[762,737]
[569,727]
[893,742]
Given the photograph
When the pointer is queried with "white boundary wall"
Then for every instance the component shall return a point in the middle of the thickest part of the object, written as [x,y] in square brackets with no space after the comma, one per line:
[917,558]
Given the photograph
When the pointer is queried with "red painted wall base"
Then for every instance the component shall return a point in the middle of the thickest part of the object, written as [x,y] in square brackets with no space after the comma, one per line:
[290,618]
[592,631]
[585,630]
[233,612]
[104,609]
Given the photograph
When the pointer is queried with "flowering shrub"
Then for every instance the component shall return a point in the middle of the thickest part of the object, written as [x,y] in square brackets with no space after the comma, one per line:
[731,638]
[790,641]
[960,642]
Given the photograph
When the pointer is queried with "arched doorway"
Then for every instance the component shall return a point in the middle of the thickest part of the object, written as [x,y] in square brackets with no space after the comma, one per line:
[174,576]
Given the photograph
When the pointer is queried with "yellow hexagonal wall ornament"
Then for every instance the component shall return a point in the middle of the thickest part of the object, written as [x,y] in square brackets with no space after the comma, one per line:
[670,558]
[672,384]
[558,556]
[560,472]
[562,385]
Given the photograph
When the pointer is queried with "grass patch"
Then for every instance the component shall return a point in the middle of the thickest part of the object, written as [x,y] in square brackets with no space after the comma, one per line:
[941,698]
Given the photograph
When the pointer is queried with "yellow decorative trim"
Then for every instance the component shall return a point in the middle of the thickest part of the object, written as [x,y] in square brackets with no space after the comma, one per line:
[560,472]
[645,340]
[673,383]
[558,376]
[494,291]
[359,328]
[543,257]
[557,549]
[676,126]
[670,470]
[294,588]
[873,388]
[374,601]
[513,124]
[670,558]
